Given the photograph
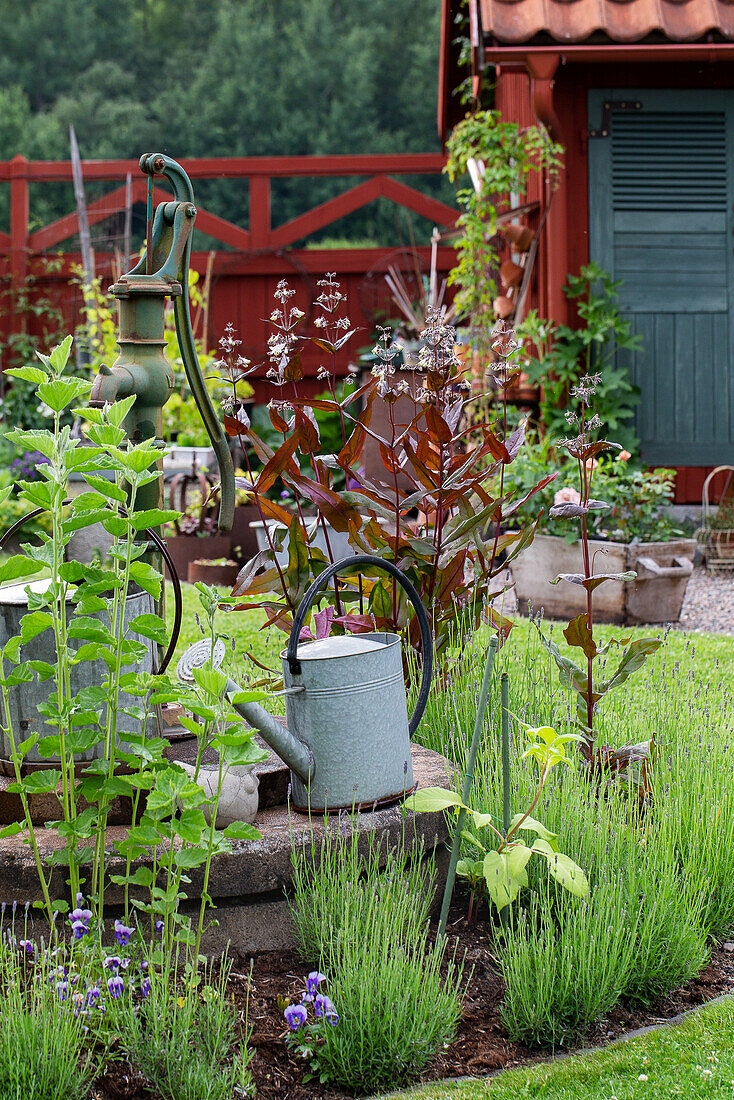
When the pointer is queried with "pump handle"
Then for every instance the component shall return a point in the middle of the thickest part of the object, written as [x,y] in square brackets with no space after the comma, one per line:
[158,163]
[425,627]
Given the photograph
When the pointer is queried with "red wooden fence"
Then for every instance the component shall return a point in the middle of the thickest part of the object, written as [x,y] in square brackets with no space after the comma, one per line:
[245,273]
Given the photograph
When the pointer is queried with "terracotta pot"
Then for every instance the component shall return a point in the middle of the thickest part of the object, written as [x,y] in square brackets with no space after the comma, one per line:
[656,596]
[187,548]
[210,573]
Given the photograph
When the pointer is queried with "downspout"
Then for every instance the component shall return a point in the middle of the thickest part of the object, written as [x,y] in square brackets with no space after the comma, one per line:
[542,69]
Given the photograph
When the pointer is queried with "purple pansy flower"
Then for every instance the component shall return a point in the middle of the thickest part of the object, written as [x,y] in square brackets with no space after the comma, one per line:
[80,919]
[314,980]
[324,1007]
[116,986]
[27,947]
[295,1016]
[145,987]
[123,933]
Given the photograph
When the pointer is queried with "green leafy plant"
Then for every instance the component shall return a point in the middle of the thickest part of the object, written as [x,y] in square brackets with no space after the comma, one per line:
[508,155]
[637,498]
[83,606]
[557,356]
[503,869]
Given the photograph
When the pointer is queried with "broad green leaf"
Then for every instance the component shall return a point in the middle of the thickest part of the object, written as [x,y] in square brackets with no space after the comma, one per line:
[60,392]
[42,782]
[211,680]
[11,651]
[563,869]
[153,517]
[432,799]
[534,826]
[190,857]
[25,746]
[633,658]
[106,435]
[504,874]
[243,754]
[59,356]
[191,824]
[28,374]
[18,566]
[150,626]
[21,674]
[146,577]
[36,440]
[17,826]
[118,410]
[106,487]
[239,830]
[33,624]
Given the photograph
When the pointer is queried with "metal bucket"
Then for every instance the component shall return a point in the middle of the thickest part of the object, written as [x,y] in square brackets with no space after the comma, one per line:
[26,698]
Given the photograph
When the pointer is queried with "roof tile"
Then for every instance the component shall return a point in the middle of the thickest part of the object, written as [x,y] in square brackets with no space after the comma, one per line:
[516,21]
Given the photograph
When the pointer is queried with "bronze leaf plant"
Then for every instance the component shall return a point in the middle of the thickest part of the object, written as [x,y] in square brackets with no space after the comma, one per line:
[631,763]
[438,509]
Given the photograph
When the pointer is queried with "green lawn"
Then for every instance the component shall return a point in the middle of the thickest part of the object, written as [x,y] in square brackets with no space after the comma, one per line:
[694,1059]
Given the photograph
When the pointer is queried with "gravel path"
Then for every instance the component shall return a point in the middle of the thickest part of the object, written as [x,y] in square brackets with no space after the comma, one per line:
[708,605]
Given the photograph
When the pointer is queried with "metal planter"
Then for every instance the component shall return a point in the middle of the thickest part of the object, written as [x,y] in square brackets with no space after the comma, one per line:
[26,698]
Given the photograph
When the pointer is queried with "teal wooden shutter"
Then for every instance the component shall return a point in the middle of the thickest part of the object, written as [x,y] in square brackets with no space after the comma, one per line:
[660,195]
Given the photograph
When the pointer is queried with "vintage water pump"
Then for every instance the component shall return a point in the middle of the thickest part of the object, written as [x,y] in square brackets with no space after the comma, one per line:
[141,367]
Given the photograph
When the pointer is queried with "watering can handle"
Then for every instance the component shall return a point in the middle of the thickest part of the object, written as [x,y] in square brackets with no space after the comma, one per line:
[425,627]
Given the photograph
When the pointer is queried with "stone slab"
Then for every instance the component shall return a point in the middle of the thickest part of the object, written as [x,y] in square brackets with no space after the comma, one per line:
[254,870]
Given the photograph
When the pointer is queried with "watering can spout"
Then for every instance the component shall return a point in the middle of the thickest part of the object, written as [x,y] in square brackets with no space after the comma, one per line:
[291,751]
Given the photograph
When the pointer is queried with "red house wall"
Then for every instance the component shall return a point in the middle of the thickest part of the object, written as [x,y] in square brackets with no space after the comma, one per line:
[572,83]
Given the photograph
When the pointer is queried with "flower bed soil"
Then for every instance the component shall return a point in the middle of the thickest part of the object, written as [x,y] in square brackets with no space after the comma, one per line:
[480,1048]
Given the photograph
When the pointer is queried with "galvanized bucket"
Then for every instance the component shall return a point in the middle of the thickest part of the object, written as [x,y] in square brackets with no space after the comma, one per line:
[26,698]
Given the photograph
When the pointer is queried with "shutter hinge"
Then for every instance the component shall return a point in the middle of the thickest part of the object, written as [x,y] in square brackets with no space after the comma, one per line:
[606,115]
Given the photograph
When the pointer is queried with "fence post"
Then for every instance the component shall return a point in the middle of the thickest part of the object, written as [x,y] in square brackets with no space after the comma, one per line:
[259,211]
[18,238]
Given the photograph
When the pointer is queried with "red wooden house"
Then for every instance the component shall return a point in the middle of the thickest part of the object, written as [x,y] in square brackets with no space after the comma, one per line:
[641,94]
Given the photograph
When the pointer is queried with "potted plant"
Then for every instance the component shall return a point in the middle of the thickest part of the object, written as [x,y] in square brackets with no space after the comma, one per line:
[634,532]
[219,571]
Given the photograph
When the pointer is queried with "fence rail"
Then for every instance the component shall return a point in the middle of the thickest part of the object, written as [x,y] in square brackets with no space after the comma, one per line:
[254,257]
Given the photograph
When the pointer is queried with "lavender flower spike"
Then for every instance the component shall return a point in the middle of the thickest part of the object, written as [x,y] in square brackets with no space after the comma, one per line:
[295,1016]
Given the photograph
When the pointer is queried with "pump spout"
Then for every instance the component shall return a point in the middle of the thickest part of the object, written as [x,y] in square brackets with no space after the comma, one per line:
[292,752]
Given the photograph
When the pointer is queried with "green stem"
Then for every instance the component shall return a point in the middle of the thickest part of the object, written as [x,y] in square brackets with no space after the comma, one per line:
[14,756]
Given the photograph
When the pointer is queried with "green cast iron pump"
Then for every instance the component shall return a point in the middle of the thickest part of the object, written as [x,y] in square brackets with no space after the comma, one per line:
[141,367]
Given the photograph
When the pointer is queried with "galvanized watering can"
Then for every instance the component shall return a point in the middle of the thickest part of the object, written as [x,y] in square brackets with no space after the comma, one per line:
[348,737]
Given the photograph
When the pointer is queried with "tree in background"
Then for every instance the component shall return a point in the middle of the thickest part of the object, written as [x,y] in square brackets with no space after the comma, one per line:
[219,78]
